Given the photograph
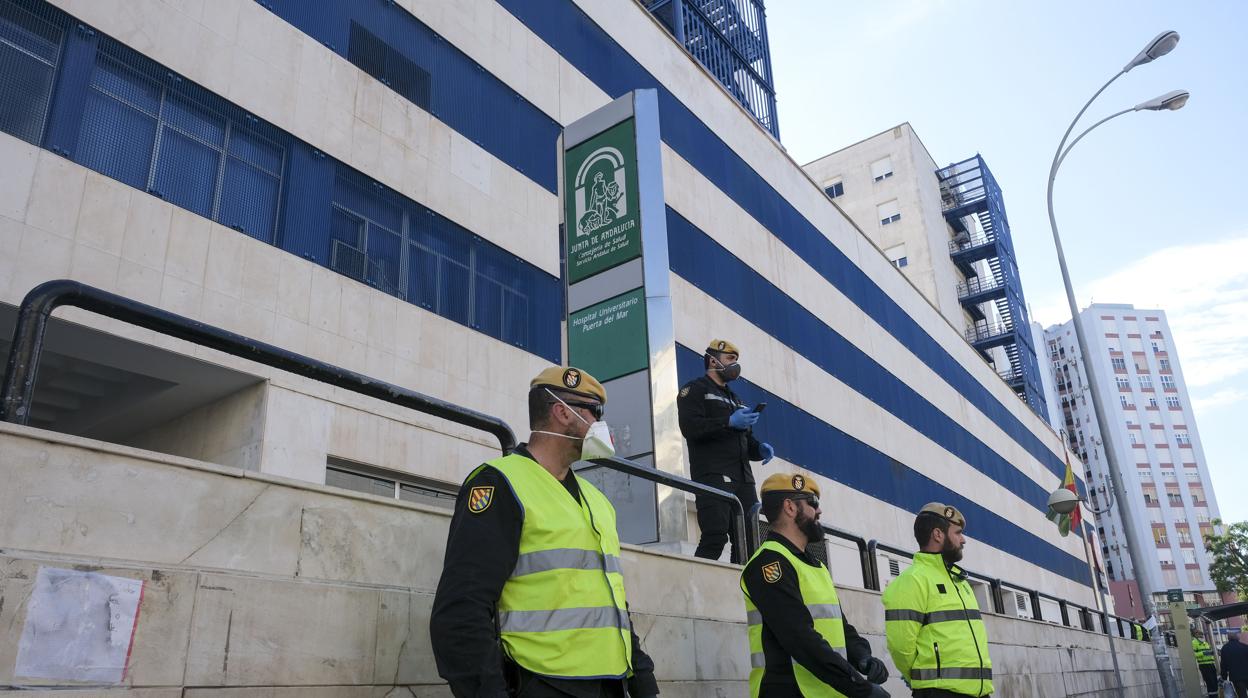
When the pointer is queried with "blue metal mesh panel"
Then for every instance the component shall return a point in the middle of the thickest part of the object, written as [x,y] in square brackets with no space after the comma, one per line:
[30,48]
[121,114]
[154,131]
[387,42]
[392,68]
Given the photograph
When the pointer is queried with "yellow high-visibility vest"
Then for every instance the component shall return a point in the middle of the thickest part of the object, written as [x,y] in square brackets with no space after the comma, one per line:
[934,630]
[819,595]
[562,612]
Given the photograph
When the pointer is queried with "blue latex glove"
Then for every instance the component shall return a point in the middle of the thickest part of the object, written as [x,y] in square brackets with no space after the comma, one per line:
[767,451]
[742,419]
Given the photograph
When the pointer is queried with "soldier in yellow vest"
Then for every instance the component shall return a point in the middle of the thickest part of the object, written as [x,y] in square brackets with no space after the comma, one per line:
[800,642]
[531,601]
[931,618]
[1205,663]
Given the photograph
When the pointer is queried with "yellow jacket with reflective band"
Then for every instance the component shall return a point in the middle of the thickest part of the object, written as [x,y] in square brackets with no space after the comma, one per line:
[1204,654]
[819,595]
[562,612]
[935,633]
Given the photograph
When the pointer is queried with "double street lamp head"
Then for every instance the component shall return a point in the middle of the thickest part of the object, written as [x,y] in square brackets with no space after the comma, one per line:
[1158,47]
[1170,101]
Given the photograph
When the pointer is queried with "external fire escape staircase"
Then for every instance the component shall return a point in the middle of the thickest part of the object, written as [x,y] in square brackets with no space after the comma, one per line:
[975,209]
[729,38]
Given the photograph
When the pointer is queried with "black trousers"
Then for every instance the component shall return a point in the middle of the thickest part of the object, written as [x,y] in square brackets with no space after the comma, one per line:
[1210,674]
[715,516]
[937,693]
[536,687]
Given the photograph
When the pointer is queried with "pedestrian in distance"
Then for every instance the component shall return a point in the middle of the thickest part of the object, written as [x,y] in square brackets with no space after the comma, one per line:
[531,601]
[1235,664]
[801,644]
[717,426]
[931,618]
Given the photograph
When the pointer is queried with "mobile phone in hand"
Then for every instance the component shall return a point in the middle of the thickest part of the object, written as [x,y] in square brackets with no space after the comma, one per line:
[760,407]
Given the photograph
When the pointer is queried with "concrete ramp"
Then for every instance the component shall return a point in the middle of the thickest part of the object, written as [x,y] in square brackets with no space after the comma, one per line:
[257,586]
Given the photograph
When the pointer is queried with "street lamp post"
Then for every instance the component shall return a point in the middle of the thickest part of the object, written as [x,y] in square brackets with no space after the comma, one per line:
[1158,47]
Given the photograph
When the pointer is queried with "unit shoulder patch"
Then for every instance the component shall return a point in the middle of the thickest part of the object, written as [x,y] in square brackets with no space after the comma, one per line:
[772,572]
[479,499]
[684,391]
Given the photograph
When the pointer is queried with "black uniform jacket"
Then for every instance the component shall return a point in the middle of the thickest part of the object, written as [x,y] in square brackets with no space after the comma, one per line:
[789,633]
[713,447]
[481,552]
[1235,661]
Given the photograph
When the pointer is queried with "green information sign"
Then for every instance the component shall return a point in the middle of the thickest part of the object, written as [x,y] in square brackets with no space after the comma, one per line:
[601,202]
[609,339]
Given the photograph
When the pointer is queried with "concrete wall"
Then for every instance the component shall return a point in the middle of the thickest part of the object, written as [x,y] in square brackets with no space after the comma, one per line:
[289,588]
[58,220]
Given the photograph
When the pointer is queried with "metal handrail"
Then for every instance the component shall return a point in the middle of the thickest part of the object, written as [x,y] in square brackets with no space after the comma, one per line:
[17,391]
[741,544]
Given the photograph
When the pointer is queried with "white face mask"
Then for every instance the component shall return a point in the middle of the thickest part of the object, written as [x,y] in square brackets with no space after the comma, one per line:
[597,442]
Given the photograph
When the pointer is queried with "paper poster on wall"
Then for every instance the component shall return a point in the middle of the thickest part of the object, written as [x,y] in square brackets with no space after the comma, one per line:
[79,626]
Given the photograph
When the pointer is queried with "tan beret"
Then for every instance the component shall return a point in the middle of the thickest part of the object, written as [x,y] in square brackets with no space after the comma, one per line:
[571,380]
[946,512]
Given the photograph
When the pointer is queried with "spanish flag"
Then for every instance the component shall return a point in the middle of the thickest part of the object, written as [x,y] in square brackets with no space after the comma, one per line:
[1065,522]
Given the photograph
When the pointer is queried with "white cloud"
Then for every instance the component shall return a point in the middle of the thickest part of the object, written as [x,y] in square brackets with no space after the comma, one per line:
[1221,398]
[1204,290]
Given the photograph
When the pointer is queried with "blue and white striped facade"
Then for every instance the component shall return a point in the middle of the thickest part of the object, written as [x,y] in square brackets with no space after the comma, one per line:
[869,388]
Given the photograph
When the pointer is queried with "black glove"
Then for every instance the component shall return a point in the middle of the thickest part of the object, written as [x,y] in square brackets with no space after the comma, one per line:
[877,691]
[874,670]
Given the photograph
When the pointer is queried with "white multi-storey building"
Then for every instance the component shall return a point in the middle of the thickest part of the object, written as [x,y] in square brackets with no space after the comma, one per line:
[1153,436]
[947,231]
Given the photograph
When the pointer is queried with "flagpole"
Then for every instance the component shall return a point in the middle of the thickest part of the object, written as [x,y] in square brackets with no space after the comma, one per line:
[1088,556]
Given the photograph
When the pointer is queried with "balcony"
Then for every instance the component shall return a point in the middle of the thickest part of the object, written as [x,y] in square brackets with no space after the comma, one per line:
[976,290]
[984,336]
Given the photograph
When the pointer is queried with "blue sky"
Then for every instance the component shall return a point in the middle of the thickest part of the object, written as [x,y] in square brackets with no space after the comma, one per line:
[1146,205]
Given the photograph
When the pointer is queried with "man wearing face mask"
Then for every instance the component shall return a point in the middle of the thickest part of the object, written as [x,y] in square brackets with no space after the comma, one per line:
[717,427]
[931,617]
[531,601]
[801,644]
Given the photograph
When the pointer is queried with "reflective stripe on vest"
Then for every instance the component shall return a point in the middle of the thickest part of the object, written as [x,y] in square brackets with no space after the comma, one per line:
[819,596]
[933,621]
[562,612]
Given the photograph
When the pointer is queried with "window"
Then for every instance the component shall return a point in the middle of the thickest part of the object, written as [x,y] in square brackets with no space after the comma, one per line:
[1174,499]
[30,48]
[1172,402]
[897,256]
[1182,438]
[1160,537]
[1167,382]
[1146,382]
[1123,399]
[385,483]
[1120,364]
[1152,402]
[834,188]
[1164,364]
[1194,577]
[1131,435]
[1189,557]
[1124,383]
[889,212]
[1185,535]
[150,129]
[882,169]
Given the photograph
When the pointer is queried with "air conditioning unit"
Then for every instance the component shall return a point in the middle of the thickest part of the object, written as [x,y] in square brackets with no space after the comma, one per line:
[1022,604]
